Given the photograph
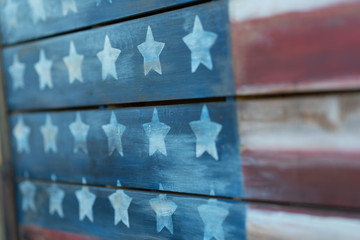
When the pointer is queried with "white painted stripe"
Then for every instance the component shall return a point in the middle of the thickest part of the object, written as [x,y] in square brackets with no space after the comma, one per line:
[265,224]
[241,10]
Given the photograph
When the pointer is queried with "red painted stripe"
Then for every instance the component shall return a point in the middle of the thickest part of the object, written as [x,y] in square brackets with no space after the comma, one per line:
[298,51]
[330,178]
[36,233]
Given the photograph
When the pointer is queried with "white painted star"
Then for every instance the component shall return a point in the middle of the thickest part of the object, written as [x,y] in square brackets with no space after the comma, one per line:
[156,132]
[213,217]
[73,63]
[43,69]
[206,133]
[108,57]
[38,10]
[28,190]
[68,5]
[16,71]
[86,201]
[164,210]
[120,201]
[79,130]
[151,51]
[49,132]
[9,14]
[199,42]
[99,1]
[56,195]
[114,132]
[21,133]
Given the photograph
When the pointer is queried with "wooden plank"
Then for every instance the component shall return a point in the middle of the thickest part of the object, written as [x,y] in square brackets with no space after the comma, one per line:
[281,46]
[225,219]
[301,149]
[23,19]
[149,215]
[175,145]
[170,72]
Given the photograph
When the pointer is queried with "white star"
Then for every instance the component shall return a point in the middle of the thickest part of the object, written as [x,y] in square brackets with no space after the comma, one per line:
[114,132]
[164,210]
[38,11]
[68,5]
[73,63]
[99,1]
[206,133]
[21,133]
[43,67]
[56,198]
[16,71]
[108,58]
[151,51]
[120,202]
[86,201]
[156,132]
[28,191]
[79,130]
[199,42]
[213,217]
[9,14]
[49,132]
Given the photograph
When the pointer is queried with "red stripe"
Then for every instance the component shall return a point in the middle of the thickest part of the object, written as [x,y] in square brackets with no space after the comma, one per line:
[298,51]
[329,178]
[36,233]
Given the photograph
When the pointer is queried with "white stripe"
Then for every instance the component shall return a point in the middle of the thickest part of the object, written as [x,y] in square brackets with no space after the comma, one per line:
[241,10]
[264,224]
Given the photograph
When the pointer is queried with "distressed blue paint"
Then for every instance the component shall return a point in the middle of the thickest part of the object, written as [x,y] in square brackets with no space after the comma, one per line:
[178,170]
[187,222]
[129,83]
[23,21]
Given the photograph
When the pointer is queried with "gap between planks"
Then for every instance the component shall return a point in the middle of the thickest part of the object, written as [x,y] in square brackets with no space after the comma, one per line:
[334,209]
[110,22]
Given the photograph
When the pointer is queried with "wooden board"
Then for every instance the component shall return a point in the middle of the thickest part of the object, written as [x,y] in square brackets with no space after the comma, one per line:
[172,155]
[282,47]
[227,219]
[301,149]
[171,70]
[25,19]
[181,215]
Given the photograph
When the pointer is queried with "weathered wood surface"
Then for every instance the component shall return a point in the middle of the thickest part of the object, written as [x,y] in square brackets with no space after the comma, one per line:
[28,19]
[148,215]
[280,46]
[41,79]
[175,145]
[301,149]
[193,218]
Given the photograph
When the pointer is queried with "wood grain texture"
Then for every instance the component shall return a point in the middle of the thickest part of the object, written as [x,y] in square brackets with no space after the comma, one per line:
[301,149]
[284,47]
[176,81]
[187,223]
[177,170]
[271,222]
[54,17]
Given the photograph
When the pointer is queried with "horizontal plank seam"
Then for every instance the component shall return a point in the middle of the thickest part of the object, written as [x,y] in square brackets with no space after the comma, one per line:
[111,22]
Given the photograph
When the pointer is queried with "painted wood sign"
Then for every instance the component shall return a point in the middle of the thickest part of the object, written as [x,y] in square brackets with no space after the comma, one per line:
[28,19]
[134,61]
[285,149]
[142,147]
[295,46]
[82,212]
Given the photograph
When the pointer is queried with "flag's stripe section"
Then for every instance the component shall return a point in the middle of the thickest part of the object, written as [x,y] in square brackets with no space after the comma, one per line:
[30,232]
[181,70]
[296,51]
[23,21]
[287,223]
[188,220]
